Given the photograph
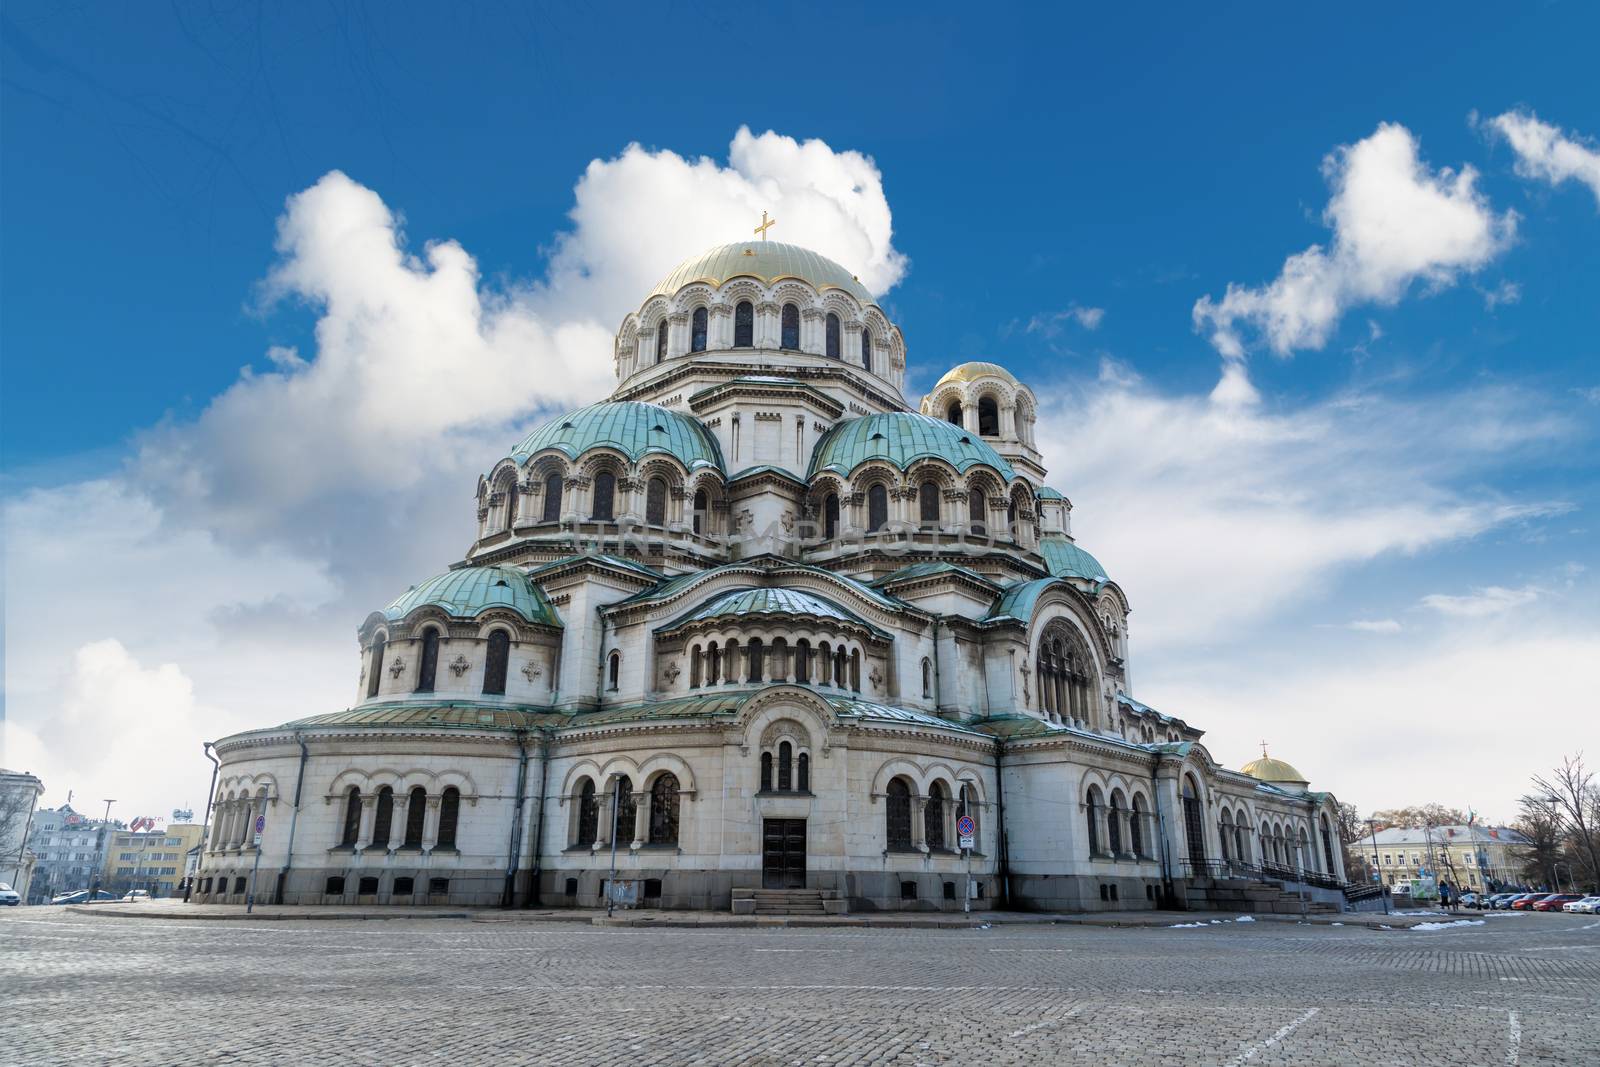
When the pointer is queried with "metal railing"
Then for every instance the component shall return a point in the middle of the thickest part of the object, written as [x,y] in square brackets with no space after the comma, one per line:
[1273,872]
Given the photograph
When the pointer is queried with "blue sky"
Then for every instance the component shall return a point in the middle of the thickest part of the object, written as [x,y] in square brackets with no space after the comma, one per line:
[1126,165]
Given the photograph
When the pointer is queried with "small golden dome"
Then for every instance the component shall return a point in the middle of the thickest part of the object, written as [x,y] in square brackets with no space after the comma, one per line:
[1275,771]
[971,372]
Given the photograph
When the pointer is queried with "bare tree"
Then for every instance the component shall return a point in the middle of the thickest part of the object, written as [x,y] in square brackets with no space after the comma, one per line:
[1540,823]
[1419,816]
[1570,794]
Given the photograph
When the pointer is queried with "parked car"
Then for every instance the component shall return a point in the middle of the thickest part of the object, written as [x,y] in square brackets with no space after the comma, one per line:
[1581,906]
[1554,901]
[82,897]
[1500,900]
[1468,900]
[9,896]
[1527,900]
[134,895]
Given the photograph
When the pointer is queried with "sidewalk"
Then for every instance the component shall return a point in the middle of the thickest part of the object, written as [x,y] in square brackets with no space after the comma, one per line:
[652,918]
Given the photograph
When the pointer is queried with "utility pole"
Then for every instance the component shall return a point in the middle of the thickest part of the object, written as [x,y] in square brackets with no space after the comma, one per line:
[100,855]
[616,803]
[1372,827]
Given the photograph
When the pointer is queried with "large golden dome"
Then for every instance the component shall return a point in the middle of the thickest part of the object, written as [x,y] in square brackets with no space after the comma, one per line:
[1274,771]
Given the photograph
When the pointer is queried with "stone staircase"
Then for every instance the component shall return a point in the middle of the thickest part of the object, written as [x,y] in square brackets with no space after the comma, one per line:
[787,902]
[1247,895]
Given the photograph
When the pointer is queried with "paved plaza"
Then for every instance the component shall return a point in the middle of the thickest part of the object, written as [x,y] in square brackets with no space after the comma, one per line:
[107,990]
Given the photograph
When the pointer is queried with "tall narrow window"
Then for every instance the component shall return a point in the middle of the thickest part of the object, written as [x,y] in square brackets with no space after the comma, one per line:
[385,816]
[802,661]
[927,678]
[613,670]
[449,813]
[744,325]
[494,667]
[700,505]
[928,504]
[766,772]
[791,327]
[552,499]
[352,818]
[855,670]
[785,766]
[866,349]
[953,413]
[605,497]
[1092,813]
[730,658]
[662,330]
[627,812]
[832,336]
[429,665]
[588,815]
[695,654]
[988,417]
[803,773]
[877,507]
[511,505]
[664,810]
[1114,823]
[697,331]
[897,814]
[933,816]
[655,502]
[1136,826]
[416,812]
[713,664]
[375,669]
[830,516]
[977,511]
[754,653]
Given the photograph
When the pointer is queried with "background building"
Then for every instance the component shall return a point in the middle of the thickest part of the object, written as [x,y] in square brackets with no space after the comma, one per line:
[70,850]
[152,860]
[1476,858]
[19,800]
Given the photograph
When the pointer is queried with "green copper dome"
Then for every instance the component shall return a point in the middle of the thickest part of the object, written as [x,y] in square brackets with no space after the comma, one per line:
[1066,560]
[470,591]
[767,262]
[790,603]
[901,438]
[629,426]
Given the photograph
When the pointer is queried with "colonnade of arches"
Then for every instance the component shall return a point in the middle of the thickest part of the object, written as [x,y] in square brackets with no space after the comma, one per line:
[1119,825]
[411,819]
[931,498]
[926,822]
[828,664]
[233,817]
[640,817]
[552,490]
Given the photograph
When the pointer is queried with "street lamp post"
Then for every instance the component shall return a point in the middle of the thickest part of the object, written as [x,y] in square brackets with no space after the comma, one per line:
[100,855]
[1372,827]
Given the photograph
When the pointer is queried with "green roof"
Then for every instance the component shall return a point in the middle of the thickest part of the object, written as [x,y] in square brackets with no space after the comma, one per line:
[469,591]
[1047,493]
[768,261]
[600,557]
[928,569]
[633,428]
[848,708]
[902,438]
[679,581]
[465,715]
[1066,560]
[1018,600]
[770,600]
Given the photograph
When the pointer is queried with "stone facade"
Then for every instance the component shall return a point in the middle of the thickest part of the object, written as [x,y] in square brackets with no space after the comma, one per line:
[753,621]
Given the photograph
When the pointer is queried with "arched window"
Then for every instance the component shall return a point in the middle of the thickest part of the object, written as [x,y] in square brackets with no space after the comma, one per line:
[877,507]
[375,669]
[953,413]
[754,653]
[988,417]
[627,813]
[495,663]
[511,505]
[700,506]
[766,772]
[927,678]
[778,658]
[697,330]
[866,349]
[655,502]
[897,814]
[730,659]
[613,670]
[744,324]
[1225,835]
[802,660]
[664,810]
[840,667]
[588,815]
[791,328]
[1327,846]
[713,663]
[1114,823]
[968,805]
[785,766]
[605,497]
[803,773]
[385,816]
[552,499]
[1136,826]
[928,504]
[830,516]
[695,654]
[855,670]
[352,818]
[661,340]
[831,336]
[978,511]
[428,668]
[1193,825]
[933,816]
[1092,811]
[416,814]
[449,814]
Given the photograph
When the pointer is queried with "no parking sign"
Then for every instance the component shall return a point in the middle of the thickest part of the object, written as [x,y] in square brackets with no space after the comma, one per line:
[967,831]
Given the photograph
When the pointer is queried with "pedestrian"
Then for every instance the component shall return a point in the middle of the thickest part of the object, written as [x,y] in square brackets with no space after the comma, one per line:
[1444,895]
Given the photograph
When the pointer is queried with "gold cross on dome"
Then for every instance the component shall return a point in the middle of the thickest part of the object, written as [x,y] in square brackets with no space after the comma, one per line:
[1263,749]
[766,224]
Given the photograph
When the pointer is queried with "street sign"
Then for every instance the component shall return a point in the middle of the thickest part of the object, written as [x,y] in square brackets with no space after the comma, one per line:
[261,823]
[967,830]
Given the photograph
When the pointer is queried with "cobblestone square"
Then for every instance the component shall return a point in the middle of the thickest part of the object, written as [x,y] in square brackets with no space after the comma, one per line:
[84,989]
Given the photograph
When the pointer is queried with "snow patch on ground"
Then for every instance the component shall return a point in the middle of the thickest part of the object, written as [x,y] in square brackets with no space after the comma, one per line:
[1187,926]
[1443,926]
[1246,919]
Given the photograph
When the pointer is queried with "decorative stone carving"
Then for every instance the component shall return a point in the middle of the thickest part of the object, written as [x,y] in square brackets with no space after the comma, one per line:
[1024,669]
[876,678]
[531,670]
[672,671]
[459,665]
[396,667]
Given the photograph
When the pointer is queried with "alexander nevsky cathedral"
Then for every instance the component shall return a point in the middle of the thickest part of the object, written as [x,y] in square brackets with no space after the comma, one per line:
[757,633]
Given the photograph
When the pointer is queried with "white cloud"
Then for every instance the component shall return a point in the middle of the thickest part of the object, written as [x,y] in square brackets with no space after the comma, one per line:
[1548,153]
[1395,222]
[1215,515]
[1488,600]
[1504,293]
[1051,323]
[1374,626]
[241,549]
